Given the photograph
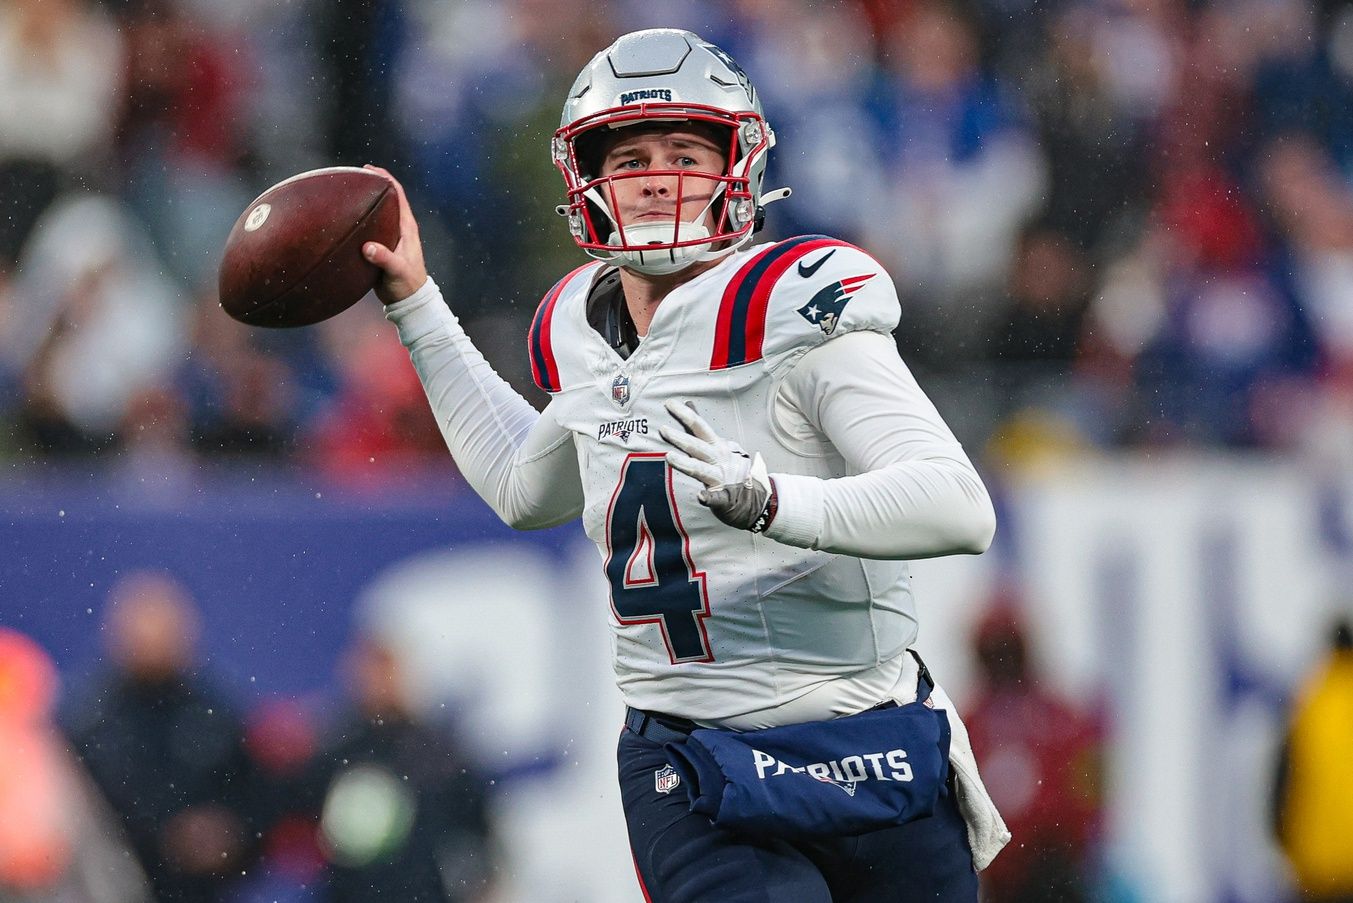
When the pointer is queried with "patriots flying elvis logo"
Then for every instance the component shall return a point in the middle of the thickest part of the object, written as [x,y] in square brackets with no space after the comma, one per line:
[824,309]
[847,786]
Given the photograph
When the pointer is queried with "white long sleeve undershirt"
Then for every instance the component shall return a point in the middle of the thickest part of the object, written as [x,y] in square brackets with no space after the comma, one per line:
[521,462]
[917,494]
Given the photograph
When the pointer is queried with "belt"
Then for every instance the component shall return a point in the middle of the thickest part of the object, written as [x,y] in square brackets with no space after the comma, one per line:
[662,728]
[658,728]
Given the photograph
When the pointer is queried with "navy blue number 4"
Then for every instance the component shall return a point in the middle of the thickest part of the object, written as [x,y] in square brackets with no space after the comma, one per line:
[653,580]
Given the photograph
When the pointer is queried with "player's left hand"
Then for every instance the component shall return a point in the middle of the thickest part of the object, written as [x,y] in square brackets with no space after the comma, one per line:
[737,488]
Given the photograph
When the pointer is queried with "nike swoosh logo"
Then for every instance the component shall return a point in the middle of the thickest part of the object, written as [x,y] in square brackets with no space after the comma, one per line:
[806,272]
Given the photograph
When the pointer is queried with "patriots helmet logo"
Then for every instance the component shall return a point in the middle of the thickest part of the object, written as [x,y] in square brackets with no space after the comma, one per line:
[824,309]
[847,786]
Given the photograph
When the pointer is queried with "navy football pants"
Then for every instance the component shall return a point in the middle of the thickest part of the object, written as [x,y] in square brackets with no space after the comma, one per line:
[682,858]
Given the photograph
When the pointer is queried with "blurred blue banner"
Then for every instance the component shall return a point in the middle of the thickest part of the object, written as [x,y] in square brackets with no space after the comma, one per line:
[275,566]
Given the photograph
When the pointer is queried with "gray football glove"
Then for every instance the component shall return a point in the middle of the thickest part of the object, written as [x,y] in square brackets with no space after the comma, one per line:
[737,488]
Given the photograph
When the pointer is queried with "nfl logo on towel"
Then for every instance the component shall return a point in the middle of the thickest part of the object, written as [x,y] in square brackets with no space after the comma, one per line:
[666,779]
[620,390]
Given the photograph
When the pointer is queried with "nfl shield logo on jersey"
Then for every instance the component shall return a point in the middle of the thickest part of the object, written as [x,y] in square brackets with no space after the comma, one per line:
[620,390]
[666,779]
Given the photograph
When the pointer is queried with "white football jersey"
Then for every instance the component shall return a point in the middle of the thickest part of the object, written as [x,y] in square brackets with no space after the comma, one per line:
[709,621]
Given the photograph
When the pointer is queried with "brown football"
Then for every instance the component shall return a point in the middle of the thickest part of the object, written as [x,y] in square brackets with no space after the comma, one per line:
[295,254]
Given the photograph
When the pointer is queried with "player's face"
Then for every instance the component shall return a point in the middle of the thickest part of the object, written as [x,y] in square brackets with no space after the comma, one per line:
[649,188]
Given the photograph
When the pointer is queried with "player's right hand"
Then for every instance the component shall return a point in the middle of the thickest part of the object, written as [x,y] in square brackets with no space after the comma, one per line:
[404,270]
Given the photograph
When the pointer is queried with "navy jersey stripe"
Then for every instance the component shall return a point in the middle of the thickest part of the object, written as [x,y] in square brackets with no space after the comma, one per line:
[544,367]
[746,288]
[538,366]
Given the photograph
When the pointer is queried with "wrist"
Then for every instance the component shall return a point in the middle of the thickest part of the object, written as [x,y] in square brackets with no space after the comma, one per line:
[768,513]
[422,313]
[799,510]
[402,290]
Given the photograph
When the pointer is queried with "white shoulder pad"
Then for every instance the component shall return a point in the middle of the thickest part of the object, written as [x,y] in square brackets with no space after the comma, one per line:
[800,293]
[560,316]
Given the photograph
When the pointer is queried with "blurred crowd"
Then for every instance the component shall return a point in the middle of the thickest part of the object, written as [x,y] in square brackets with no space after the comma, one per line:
[146,781]
[1113,222]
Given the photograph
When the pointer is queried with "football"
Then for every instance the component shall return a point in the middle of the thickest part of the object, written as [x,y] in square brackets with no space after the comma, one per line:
[294,256]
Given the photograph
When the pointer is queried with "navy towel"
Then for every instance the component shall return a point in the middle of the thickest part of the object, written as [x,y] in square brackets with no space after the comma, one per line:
[846,776]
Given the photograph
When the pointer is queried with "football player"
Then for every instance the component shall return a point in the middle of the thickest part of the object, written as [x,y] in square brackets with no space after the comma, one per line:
[755,463]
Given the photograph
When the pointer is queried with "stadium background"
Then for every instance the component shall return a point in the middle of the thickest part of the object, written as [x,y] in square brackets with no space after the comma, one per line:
[1123,232]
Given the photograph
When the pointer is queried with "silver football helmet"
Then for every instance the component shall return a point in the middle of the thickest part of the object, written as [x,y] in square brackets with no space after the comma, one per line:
[663,75]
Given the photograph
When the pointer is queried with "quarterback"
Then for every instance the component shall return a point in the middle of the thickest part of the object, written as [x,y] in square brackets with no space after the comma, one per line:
[756,465]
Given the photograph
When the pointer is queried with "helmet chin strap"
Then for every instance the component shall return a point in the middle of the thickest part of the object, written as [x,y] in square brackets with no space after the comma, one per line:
[661,261]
